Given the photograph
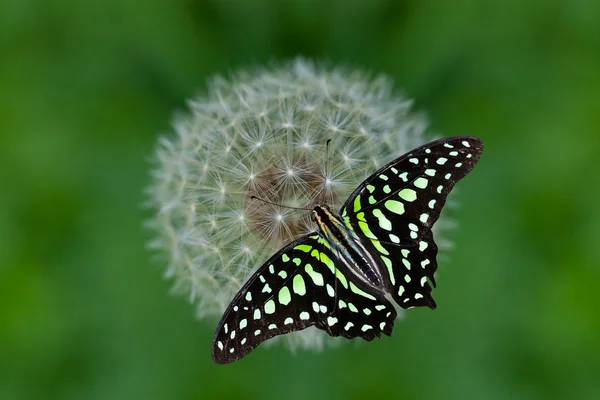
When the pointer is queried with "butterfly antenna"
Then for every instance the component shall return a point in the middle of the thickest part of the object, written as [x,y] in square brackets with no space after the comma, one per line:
[324,188]
[327,158]
[279,205]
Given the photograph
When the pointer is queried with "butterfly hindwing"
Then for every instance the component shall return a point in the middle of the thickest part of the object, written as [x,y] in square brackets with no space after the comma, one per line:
[296,288]
[263,305]
[365,315]
[397,206]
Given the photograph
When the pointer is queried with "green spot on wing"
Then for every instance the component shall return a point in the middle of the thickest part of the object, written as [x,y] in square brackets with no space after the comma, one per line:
[357,203]
[421,183]
[298,285]
[364,227]
[314,275]
[324,242]
[270,307]
[379,247]
[384,223]
[303,247]
[397,207]
[408,194]
[361,292]
[388,264]
[327,261]
[284,296]
[341,278]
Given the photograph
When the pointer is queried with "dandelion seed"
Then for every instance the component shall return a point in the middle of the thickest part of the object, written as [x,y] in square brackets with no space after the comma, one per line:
[263,133]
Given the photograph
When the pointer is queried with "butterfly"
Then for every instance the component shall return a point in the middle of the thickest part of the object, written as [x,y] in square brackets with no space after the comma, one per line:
[337,278]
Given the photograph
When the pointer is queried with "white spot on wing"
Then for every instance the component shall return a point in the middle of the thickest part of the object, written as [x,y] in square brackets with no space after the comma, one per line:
[330,290]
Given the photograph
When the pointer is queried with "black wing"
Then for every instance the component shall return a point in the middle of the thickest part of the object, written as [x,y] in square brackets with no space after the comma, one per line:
[397,206]
[298,287]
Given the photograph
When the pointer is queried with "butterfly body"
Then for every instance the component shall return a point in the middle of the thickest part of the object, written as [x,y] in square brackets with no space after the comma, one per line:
[355,254]
[337,278]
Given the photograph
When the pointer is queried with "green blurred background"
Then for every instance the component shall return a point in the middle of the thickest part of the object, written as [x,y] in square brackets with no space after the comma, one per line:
[86,88]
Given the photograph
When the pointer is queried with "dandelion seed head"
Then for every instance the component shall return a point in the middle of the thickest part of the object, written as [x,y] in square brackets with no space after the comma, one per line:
[262,135]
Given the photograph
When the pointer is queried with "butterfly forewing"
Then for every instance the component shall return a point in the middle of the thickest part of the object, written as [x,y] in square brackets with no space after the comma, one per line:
[397,206]
[298,287]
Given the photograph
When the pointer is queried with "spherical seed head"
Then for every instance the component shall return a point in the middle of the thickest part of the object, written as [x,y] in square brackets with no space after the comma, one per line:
[265,134]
